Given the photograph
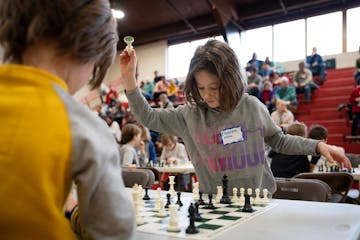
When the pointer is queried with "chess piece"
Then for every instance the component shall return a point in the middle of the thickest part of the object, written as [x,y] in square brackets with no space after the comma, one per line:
[146,196]
[157,200]
[198,218]
[178,202]
[195,191]
[168,197]
[192,229]
[210,204]
[129,40]
[162,212]
[247,207]
[174,219]
[139,220]
[225,197]
[201,200]
[172,183]
[219,194]
[235,197]
[249,192]
[265,199]
[242,198]
[257,200]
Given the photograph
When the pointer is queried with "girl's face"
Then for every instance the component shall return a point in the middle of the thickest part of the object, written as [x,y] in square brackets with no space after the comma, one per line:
[170,146]
[208,86]
[137,139]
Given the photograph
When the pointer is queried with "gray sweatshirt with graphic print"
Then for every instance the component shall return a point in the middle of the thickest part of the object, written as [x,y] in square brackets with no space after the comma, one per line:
[200,127]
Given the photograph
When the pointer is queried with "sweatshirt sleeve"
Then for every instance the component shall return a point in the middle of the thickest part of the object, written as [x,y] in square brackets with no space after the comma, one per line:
[170,121]
[285,143]
[105,208]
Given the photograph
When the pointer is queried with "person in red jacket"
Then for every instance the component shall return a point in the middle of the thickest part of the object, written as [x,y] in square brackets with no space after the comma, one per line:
[355,101]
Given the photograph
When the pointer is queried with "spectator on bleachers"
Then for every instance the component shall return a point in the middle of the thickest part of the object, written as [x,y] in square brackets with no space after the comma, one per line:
[118,112]
[282,116]
[111,96]
[303,82]
[253,81]
[150,152]
[266,95]
[156,76]
[148,89]
[114,127]
[254,63]
[164,101]
[357,69]
[316,65]
[287,166]
[160,87]
[287,93]
[131,140]
[267,68]
[355,102]
[319,132]
[172,90]
[276,80]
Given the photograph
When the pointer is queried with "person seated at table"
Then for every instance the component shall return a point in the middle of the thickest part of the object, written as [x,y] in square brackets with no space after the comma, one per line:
[150,152]
[304,83]
[131,140]
[287,166]
[319,132]
[174,154]
[316,65]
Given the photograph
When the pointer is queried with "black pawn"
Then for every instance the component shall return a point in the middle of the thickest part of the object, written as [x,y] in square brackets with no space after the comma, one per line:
[210,204]
[353,170]
[198,218]
[168,196]
[201,200]
[179,200]
[146,196]
[192,229]
[247,207]
[225,197]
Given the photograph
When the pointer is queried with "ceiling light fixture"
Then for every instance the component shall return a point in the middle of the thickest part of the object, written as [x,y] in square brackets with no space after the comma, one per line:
[118,14]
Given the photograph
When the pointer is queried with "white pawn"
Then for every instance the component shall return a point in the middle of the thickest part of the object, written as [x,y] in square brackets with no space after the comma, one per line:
[174,220]
[157,200]
[219,194]
[257,199]
[242,197]
[161,212]
[249,192]
[265,199]
[196,195]
[138,217]
[234,197]
[129,40]
[172,183]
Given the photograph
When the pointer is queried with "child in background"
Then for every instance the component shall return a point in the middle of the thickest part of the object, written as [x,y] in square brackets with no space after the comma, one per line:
[47,138]
[224,129]
[287,166]
[266,95]
[320,132]
[173,152]
[150,152]
[131,140]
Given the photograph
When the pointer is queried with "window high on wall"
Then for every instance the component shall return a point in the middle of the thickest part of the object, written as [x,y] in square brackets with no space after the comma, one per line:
[257,41]
[352,29]
[179,56]
[289,41]
[325,33]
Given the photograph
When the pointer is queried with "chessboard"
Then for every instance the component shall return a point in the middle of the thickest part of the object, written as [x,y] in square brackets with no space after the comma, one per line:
[214,221]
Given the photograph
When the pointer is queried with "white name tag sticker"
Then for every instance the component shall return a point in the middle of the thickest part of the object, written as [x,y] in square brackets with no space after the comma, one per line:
[231,135]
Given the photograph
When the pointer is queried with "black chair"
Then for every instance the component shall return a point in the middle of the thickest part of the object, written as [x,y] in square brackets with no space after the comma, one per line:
[339,182]
[302,189]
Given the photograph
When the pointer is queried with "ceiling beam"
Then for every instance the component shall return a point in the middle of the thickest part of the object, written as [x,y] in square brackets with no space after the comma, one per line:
[181,16]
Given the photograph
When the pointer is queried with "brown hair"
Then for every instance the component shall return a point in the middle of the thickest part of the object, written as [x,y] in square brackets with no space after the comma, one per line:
[83,29]
[165,139]
[297,129]
[220,60]
[145,133]
[318,132]
[128,132]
